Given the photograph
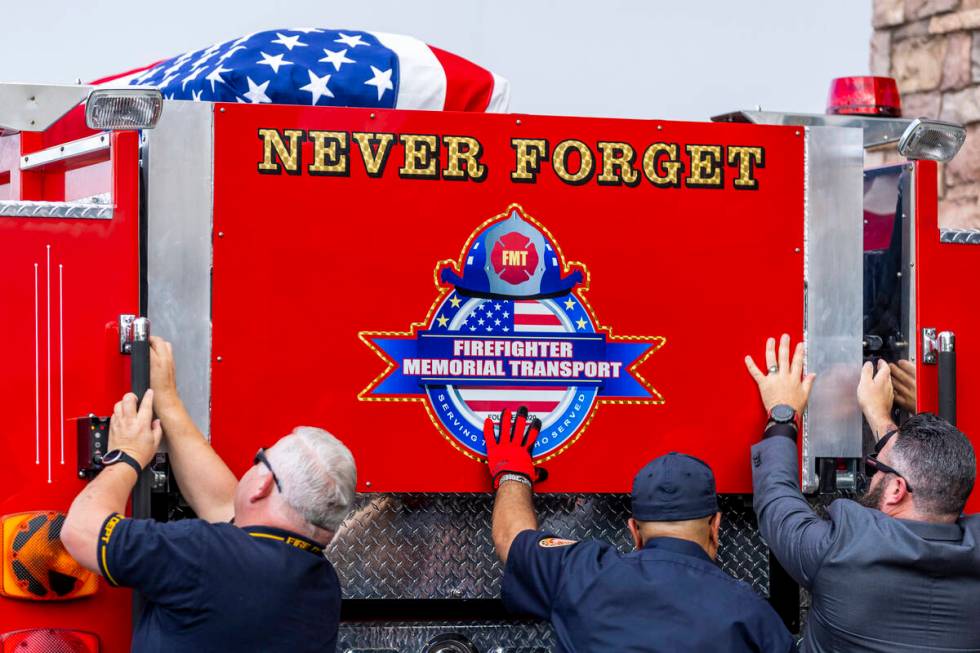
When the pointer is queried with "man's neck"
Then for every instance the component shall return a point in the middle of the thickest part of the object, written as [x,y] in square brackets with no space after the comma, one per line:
[909,512]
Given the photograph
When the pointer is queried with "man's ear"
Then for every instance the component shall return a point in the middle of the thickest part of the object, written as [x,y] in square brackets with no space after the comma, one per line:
[896,490]
[715,524]
[262,488]
[635,532]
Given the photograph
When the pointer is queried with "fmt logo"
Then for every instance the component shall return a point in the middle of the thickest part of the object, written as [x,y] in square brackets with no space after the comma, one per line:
[511,328]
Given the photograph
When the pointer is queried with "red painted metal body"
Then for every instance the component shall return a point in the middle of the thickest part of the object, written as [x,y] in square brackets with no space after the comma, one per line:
[65,282]
[305,264]
[944,301]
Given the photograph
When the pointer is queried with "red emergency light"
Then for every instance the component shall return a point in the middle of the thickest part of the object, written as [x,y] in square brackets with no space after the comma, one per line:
[49,640]
[868,96]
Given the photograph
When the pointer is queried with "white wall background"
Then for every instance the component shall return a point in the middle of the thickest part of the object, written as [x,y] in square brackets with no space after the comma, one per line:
[678,59]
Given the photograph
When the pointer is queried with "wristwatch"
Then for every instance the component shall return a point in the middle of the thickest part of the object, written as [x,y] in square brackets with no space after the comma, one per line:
[782,414]
[120,456]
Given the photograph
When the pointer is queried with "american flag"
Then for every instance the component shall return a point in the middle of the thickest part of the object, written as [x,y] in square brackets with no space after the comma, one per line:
[499,317]
[325,67]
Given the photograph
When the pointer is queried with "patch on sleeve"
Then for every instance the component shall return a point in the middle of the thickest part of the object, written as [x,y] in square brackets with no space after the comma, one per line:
[552,542]
[107,527]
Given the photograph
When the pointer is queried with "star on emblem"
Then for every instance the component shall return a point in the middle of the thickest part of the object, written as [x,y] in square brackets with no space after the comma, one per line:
[454,301]
[569,304]
[580,323]
[442,320]
[381,81]
[338,58]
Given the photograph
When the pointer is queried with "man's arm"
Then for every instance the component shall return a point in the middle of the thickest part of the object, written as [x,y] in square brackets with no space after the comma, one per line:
[794,532]
[205,480]
[135,432]
[513,513]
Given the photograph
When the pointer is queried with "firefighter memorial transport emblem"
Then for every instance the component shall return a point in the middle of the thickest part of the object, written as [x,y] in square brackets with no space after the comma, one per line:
[511,327]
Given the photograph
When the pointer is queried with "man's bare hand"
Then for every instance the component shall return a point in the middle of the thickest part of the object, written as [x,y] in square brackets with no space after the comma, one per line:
[784,383]
[135,431]
[163,375]
[903,381]
[875,395]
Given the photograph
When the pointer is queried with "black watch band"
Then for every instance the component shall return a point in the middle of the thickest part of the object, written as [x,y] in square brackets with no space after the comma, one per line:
[120,456]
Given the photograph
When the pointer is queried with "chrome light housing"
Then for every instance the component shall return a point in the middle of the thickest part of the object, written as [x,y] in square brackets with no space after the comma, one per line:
[931,139]
[123,108]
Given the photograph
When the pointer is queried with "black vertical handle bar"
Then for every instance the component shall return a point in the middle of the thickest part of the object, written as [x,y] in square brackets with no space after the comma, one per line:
[139,384]
[947,376]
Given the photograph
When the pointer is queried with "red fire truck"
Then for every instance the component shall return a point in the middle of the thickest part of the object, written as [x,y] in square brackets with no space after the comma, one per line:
[329,266]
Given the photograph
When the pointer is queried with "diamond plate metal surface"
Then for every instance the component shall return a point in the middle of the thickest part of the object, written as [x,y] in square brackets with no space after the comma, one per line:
[438,546]
[412,637]
[24,209]
[960,236]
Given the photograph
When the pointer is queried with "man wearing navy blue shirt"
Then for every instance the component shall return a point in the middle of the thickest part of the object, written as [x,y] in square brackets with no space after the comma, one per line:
[666,596]
[260,583]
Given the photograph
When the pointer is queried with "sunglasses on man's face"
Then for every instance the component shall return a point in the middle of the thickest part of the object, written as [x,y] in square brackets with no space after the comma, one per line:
[872,465]
[260,457]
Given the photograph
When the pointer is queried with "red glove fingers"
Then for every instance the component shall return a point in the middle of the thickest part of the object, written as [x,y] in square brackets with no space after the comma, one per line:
[509,449]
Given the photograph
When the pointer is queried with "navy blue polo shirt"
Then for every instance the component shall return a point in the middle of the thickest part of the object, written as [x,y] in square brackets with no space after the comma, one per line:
[669,596]
[217,587]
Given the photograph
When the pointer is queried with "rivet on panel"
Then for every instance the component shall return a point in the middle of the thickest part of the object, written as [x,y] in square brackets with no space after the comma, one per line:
[367,483]
[372,116]
[660,128]
[517,122]
[222,109]
[218,359]
[221,234]
[797,132]
[797,250]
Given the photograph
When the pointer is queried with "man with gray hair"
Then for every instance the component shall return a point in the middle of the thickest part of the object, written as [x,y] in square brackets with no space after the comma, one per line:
[249,574]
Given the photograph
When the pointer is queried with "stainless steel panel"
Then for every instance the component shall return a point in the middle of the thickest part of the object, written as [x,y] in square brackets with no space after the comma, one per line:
[411,637]
[179,159]
[875,131]
[438,546]
[833,271]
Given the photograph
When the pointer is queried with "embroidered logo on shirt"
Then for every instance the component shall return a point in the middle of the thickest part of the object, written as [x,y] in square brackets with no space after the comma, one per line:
[552,542]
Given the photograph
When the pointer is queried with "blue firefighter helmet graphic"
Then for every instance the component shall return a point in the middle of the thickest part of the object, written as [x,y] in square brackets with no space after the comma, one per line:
[512,259]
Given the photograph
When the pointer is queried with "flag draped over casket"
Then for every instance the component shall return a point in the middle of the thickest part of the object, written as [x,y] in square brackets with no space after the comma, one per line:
[325,67]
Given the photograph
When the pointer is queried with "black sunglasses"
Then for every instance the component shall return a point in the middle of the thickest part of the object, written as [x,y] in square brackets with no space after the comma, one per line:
[260,457]
[872,465]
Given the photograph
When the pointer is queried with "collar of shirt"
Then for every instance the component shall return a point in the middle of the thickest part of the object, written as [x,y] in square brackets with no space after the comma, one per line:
[287,537]
[933,531]
[676,545]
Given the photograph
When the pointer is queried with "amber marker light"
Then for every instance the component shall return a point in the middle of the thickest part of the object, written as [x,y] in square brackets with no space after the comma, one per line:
[35,564]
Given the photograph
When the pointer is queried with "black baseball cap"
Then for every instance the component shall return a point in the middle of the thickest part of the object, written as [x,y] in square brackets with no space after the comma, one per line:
[674,487]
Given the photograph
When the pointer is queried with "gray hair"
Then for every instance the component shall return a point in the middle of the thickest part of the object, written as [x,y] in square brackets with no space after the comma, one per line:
[318,475]
[940,462]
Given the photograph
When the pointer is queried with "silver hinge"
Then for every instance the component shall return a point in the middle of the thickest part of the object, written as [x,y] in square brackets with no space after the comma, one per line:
[132,328]
[930,346]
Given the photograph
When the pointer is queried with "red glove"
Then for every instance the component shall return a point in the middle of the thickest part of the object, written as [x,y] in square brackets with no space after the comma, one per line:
[511,452]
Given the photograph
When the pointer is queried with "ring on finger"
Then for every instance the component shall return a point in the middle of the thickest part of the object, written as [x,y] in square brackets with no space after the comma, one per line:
[773,369]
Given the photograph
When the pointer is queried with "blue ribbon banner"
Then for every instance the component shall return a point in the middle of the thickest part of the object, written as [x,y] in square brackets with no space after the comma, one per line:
[541,359]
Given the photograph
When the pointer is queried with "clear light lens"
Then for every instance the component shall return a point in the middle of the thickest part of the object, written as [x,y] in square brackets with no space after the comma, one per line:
[123,108]
[49,640]
[931,139]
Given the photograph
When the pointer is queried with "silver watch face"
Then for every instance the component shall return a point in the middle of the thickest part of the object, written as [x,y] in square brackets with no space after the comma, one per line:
[782,413]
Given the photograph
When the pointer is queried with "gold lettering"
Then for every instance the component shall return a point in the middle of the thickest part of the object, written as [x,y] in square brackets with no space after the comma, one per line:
[288,157]
[747,158]
[706,170]
[617,164]
[329,153]
[375,148]
[421,156]
[528,154]
[654,163]
[559,161]
[460,150]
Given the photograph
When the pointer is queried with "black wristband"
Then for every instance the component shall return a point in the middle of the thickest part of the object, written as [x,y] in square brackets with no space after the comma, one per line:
[785,430]
[118,456]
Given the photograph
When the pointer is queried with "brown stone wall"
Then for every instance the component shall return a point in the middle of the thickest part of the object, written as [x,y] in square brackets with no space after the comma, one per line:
[932,48]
